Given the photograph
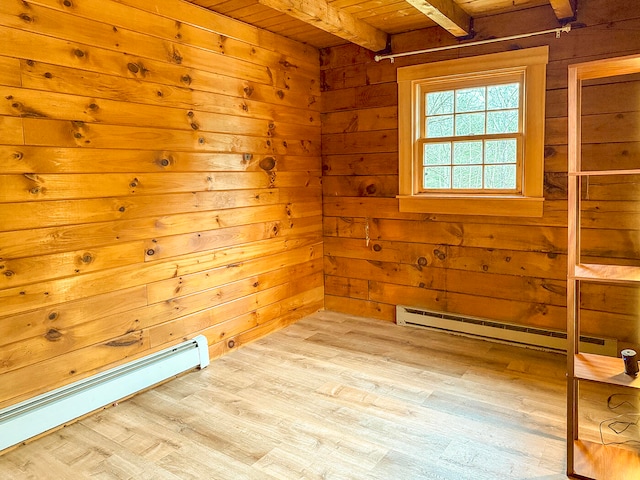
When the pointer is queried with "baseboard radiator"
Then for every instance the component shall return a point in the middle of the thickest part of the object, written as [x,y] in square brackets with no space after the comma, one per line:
[50,410]
[501,331]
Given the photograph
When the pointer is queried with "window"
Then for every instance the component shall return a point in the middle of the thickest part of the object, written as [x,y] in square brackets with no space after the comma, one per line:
[471,134]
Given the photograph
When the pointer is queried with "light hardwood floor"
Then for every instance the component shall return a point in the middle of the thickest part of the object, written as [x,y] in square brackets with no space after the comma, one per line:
[331,397]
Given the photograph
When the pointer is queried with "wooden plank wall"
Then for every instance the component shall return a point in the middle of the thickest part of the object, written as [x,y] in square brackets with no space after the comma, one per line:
[509,269]
[159,178]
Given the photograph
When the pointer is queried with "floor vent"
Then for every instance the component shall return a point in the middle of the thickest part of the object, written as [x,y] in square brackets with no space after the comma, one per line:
[42,413]
[500,331]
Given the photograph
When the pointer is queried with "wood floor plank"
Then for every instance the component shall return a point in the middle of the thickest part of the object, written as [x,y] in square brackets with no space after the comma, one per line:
[332,396]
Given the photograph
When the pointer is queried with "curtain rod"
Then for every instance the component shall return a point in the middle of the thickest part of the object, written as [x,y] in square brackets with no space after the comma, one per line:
[557,31]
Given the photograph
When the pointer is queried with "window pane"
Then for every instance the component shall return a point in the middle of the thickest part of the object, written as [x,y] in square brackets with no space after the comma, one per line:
[504,121]
[500,151]
[470,124]
[503,96]
[437,177]
[439,103]
[437,154]
[500,176]
[467,177]
[467,152]
[470,99]
[441,126]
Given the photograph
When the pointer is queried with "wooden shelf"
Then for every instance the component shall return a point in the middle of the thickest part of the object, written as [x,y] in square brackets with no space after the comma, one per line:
[595,173]
[598,368]
[607,273]
[593,460]
[588,459]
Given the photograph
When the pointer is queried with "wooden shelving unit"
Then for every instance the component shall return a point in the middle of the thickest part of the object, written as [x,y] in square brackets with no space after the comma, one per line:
[586,459]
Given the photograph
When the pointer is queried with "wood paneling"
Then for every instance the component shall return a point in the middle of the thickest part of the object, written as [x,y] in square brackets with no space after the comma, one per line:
[142,146]
[510,269]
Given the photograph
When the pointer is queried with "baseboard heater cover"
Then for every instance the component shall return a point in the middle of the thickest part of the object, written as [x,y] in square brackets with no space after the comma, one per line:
[50,410]
[501,331]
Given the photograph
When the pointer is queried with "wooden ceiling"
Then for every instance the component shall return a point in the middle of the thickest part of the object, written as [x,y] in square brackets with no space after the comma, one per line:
[368,23]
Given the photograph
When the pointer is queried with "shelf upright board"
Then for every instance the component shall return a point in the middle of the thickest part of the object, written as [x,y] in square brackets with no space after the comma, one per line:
[587,459]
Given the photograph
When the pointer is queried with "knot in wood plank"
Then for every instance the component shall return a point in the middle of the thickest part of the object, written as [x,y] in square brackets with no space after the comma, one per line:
[53,335]
[267,163]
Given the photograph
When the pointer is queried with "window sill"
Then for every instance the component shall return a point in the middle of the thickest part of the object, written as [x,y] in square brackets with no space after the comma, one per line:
[473,205]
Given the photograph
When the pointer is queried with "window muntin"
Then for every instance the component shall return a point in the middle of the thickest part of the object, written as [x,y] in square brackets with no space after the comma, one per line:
[470,136]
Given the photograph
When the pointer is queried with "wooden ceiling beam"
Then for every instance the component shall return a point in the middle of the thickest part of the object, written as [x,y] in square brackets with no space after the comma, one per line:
[445,13]
[563,8]
[325,17]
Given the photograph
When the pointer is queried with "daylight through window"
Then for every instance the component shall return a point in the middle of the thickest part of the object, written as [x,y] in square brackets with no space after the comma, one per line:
[471,138]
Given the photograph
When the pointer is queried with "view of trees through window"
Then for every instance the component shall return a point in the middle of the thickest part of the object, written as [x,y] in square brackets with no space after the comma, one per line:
[471,138]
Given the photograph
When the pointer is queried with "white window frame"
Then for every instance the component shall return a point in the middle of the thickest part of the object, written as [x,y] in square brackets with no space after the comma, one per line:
[528,199]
